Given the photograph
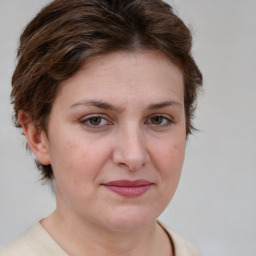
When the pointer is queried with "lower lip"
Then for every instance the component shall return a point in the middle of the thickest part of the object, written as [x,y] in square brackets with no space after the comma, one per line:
[129,191]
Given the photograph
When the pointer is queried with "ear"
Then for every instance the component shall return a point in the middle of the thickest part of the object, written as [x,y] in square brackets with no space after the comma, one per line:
[36,138]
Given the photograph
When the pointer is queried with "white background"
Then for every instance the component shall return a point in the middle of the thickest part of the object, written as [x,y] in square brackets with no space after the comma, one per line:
[215,204]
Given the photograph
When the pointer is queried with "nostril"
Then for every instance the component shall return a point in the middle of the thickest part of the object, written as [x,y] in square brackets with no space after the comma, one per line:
[131,160]
[130,150]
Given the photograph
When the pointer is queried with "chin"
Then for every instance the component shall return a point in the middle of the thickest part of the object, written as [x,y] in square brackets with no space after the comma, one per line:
[130,219]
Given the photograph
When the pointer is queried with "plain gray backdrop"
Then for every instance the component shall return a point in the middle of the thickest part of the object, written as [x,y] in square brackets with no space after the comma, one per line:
[215,204]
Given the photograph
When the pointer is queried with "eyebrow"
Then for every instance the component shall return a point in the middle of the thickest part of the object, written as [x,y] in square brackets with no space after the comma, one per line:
[98,104]
[108,106]
[164,104]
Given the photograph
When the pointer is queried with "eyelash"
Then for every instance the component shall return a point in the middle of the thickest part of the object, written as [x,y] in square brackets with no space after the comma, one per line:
[168,121]
[88,119]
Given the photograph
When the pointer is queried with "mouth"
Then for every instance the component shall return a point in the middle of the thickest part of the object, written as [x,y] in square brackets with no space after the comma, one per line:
[129,188]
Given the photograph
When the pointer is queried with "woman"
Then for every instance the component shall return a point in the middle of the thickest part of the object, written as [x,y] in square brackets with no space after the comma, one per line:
[104,92]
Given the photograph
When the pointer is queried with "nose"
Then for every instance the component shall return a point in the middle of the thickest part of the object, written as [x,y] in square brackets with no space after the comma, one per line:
[130,149]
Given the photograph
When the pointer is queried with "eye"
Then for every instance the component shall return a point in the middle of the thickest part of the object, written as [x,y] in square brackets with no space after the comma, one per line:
[156,120]
[94,121]
[159,120]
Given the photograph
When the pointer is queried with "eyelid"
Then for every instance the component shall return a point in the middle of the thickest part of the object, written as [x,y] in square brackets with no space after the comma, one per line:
[86,118]
[168,118]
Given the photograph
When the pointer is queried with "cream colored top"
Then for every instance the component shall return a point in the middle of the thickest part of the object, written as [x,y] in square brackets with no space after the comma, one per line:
[37,242]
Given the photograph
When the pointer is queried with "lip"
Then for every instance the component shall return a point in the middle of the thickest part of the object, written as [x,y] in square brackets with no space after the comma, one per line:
[129,188]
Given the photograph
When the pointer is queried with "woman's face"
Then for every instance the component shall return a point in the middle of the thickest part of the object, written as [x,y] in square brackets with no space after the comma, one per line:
[116,140]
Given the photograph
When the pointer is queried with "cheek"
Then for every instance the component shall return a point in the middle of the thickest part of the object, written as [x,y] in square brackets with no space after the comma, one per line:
[169,158]
[76,160]
[172,152]
[73,170]
[168,161]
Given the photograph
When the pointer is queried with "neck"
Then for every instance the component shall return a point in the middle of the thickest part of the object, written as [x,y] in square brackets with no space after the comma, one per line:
[78,237]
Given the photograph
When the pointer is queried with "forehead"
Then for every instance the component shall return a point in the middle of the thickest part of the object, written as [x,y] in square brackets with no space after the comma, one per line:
[139,61]
[120,74]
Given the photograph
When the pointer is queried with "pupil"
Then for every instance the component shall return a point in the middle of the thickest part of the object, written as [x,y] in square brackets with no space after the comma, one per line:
[156,120]
[95,120]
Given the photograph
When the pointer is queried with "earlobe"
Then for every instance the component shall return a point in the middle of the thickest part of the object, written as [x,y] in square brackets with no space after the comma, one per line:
[36,138]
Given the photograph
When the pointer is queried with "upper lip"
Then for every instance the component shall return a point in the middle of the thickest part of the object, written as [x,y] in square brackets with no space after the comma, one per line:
[128,183]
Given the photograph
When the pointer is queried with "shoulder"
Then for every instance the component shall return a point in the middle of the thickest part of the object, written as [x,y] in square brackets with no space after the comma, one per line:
[34,242]
[182,247]
[21,245]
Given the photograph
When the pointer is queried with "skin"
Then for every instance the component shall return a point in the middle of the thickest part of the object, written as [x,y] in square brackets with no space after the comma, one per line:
[138,133]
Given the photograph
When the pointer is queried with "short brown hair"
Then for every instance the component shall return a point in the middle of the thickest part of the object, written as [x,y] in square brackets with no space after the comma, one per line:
[67,33]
